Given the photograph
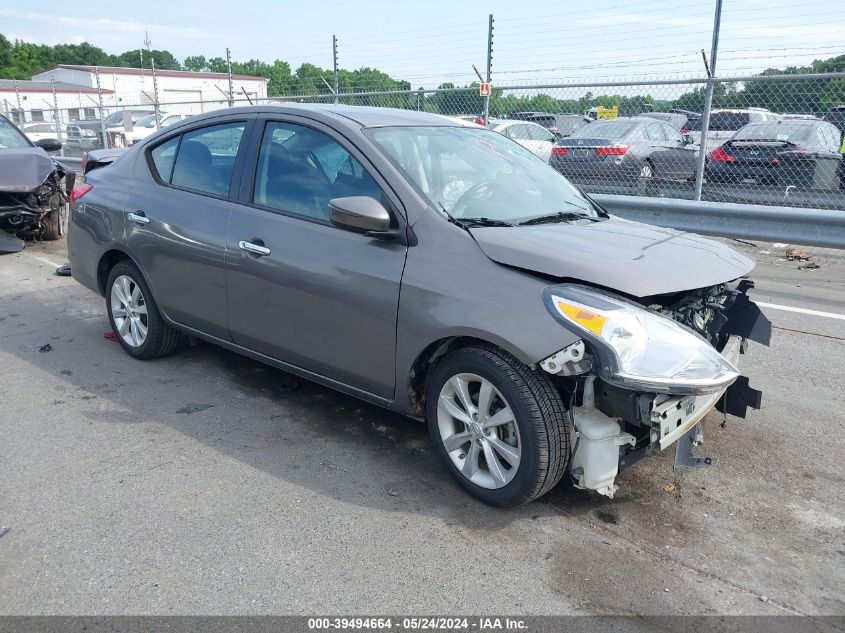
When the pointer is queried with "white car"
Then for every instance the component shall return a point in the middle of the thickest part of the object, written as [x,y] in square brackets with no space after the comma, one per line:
[535,138]
[724,123]
[39,131]
[146,126]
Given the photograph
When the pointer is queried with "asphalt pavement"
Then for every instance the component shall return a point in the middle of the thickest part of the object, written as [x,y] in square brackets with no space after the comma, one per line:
[206,483]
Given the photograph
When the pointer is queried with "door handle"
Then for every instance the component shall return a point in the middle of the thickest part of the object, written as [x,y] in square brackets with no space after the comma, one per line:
[255,249]
[138,218]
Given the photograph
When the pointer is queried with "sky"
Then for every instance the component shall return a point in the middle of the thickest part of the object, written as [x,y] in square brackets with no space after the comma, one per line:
[434,41]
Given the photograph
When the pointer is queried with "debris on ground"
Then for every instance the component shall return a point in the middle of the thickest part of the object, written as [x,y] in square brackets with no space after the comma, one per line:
[110,336]
[765,252]
[9,243]
[796,255]
[193,407]
[45,348]
[63,271]
[810,266]
[746,242]
[4,531]
[669,488]
[393,492]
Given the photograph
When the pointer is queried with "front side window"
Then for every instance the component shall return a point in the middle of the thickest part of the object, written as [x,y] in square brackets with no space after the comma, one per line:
[478,173]
[300,170]
[205,158]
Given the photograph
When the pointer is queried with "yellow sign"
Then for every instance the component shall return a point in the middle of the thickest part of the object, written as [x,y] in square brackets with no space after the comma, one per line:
[607,113]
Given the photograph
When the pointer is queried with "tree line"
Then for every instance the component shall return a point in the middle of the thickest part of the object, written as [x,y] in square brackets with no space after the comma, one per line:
[20,60]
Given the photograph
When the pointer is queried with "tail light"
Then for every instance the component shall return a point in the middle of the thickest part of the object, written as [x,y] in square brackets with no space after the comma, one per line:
[721,156]
[79,191]
[560,151]
[479,121]
[612,150]
[684,131]
[84,161]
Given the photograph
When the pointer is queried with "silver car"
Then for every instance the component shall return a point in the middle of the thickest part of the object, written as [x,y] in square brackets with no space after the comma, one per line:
[436,269]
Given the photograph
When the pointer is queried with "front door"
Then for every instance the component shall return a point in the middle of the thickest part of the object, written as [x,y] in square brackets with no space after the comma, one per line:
[300,289]
[176,223]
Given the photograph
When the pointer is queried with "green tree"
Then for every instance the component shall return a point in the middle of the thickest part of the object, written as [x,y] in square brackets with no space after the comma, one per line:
[196,63]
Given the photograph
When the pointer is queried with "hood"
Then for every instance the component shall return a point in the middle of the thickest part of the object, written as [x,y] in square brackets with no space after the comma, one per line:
[632,258]
[25,169]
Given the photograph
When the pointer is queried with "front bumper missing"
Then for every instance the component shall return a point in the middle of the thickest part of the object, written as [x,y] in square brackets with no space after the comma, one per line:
[674,416]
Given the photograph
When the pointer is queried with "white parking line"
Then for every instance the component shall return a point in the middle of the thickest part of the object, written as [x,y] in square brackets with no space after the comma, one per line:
[827,315]
[44,260]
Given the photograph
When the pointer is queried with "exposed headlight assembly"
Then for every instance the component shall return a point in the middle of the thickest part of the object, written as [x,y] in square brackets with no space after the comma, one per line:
[637,348]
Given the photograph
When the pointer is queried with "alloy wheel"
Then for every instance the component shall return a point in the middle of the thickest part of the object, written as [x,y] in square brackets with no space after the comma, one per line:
[479,431]
[129,311]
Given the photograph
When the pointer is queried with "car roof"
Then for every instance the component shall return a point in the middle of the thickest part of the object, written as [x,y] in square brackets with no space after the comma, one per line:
[807,122]
[366,116]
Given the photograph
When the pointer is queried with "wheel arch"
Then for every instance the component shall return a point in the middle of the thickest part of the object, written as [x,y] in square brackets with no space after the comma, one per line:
[421,369]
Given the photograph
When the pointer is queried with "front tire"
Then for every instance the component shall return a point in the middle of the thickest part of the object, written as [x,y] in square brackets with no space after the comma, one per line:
[499,427]
[55,224]
[134,316]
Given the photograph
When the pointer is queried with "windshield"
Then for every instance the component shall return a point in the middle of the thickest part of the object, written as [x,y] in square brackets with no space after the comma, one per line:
[774,132]
[10,137]
[604,129]
[476,173]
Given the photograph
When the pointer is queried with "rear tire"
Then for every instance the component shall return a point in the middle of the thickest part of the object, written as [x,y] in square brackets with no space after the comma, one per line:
[134,315]
[514,451]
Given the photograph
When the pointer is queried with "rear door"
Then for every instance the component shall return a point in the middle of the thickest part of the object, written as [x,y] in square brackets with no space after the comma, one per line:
[300,289]
[676,160]
[177,218]
[540,140]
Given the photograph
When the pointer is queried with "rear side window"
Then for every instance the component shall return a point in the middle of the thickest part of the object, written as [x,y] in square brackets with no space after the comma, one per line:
[653,132]
[206,158]
[163,156]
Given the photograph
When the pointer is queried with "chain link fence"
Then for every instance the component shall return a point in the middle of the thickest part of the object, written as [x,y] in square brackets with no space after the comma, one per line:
[772,139]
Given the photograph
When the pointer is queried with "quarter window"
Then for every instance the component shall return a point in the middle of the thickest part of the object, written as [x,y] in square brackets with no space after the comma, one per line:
[301,169]
[163,156]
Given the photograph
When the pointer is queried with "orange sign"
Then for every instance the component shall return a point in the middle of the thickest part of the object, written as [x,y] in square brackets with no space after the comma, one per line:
[485,88]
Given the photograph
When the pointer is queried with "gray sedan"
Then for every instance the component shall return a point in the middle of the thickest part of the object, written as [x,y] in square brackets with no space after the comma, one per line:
[625,149]
[438,270]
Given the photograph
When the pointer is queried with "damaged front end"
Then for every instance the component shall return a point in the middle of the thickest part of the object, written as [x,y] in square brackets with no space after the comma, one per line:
[32,187]
[646,373]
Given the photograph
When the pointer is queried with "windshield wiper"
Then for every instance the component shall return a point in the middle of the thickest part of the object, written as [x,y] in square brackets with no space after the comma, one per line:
[560,216]
[471,222]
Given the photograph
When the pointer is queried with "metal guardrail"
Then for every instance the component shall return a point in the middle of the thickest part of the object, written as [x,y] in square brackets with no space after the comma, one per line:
[74,162]
[792,225]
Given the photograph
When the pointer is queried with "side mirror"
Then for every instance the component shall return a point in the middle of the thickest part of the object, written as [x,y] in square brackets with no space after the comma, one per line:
[49,144]
[361,214]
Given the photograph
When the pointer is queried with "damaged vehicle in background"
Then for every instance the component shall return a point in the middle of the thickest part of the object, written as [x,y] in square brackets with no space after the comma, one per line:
[33,187]
[437,269]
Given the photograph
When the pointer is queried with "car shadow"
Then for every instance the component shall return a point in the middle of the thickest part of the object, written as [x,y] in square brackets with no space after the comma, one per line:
[293,429]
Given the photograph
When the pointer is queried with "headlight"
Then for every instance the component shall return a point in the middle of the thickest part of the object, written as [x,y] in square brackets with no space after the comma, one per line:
[638,348]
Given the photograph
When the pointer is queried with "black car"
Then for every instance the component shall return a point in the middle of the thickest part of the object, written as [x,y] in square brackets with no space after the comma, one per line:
[624,150]
[33,187]
[836,116]
[803,153]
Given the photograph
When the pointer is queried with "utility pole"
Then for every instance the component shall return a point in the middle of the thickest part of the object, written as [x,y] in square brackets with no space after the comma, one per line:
[708,103]
[155,81]
[100,105]
[486,113]
[56,116]
[229,71]
[20,117]
[334,56]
